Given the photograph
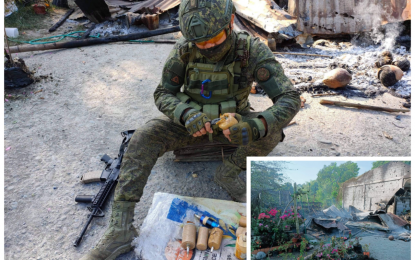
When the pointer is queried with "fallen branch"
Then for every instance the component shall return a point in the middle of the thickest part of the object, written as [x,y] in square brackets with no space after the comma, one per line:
[61,21]
[88,42]
[88,32]
[325,94]
[302,54]
[347,104]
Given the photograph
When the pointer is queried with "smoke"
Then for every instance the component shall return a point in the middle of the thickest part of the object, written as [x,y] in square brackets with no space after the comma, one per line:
[387,34]
[386,28]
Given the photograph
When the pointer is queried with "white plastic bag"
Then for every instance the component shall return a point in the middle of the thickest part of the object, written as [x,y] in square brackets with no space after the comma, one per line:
[161,232]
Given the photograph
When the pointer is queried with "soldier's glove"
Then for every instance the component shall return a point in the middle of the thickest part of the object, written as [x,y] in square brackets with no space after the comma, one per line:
[246,131]
[195,121]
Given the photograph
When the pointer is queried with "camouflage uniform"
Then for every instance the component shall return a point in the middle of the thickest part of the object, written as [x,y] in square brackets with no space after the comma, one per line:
[231,66]
[167,133]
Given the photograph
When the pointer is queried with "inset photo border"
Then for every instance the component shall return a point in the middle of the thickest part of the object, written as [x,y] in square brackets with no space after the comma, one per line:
[329,208]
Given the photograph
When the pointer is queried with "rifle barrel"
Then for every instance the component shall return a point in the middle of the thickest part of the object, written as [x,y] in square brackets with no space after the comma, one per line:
[79,238]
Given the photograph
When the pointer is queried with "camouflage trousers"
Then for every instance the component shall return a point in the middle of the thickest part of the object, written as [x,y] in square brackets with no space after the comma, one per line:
[161,135]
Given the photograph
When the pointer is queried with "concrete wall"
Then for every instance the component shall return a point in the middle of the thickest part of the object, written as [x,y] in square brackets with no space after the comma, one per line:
[402,204]
[376,185]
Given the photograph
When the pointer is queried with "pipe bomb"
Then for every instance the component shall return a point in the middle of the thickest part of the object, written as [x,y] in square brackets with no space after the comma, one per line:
[242,221]
[189,236]
[337,78]
[202,238]
[215,238]
[240,231]
[240,247]
[389,75]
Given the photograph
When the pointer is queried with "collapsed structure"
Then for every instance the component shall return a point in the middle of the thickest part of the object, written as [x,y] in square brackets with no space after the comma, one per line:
[378,187]
[376,202]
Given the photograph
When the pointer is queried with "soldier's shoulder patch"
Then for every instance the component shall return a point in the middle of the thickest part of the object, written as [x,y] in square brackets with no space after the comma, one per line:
[175,80]
[263,74]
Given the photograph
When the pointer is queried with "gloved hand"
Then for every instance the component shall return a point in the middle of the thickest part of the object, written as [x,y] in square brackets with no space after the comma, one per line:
[245,131]
[196,122]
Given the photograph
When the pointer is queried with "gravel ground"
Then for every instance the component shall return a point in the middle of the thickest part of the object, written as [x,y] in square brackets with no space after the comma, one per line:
[57,129]
[382,248]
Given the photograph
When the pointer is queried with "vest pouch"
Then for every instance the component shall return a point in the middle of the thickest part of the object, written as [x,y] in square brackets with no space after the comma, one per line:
[186,99]
[228,107]
[219,86]
[211,110]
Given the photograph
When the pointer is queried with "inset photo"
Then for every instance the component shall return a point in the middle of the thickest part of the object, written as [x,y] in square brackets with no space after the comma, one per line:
[330,209]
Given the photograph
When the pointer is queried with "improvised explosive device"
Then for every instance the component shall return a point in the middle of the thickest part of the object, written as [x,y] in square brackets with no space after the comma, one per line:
[215,239]
[209,222]
[189,236]
[202,238]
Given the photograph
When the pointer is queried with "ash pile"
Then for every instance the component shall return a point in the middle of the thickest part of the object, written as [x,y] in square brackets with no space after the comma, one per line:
[352,70]
[359,49]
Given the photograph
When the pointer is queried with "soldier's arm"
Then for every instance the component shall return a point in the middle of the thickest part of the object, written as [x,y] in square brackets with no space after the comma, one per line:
[269,74]
[171,81]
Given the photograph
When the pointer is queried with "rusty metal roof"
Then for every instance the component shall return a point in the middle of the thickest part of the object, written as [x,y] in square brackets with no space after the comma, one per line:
[339,16]
[263,14]
[163,5]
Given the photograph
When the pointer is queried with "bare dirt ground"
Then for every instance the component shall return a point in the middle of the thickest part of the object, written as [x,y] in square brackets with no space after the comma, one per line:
[57,129]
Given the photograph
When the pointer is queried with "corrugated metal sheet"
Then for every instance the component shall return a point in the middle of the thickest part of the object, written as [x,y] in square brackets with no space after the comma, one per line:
[263,14]
[340,16]
[163,5]
[244,25]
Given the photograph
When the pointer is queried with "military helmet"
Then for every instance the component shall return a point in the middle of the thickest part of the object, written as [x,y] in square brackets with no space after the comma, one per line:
[201,20]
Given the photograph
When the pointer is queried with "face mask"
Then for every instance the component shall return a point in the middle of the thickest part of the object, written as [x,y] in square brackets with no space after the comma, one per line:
[217,52]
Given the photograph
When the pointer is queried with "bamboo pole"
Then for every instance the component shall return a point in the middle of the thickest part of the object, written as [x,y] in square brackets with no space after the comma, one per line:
[88,42]
[348,104]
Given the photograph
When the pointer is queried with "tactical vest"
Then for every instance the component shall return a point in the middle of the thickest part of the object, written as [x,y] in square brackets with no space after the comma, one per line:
[226,90]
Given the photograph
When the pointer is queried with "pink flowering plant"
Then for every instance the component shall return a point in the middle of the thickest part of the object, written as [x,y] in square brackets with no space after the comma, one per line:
[337,249]
[265,225]
[288,218]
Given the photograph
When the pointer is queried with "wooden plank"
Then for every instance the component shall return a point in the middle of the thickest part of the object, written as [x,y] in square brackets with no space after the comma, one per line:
[348,104]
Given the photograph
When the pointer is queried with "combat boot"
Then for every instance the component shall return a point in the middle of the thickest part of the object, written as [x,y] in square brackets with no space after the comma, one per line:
[227,176]
[119,235]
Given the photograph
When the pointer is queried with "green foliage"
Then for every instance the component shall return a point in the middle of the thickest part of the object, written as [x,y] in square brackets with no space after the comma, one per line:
[266,178]
[266,229]
[24,19]
[267,175]
[380,163]
[326,188]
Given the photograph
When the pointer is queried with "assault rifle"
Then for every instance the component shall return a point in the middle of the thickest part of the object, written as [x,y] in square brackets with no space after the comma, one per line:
[110,174]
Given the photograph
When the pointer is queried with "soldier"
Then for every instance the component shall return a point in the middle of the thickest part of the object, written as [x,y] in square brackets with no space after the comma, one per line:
[217,67]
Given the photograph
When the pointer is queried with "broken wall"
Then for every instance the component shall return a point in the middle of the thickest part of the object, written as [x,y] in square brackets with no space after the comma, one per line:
[402,204]
[375,186]
[337,16]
